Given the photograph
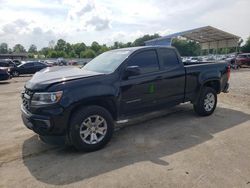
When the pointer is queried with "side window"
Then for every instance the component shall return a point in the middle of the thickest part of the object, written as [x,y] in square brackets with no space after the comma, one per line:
[39,64]
[147,61]
[27,65]
[169,58]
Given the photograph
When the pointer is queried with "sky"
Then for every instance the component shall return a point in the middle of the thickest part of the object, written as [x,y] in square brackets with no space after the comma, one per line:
[105,21]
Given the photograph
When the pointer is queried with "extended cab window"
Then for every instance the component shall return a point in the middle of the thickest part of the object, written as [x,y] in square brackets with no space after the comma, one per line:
[147,61]
[169,58]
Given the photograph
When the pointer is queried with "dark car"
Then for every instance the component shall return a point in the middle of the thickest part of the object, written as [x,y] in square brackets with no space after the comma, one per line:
[61,62]
[4,64]
[7,63]
[243,60]
[17,62]
[82,105]
[50,63]
[29,67]
[73,63]
[4,74]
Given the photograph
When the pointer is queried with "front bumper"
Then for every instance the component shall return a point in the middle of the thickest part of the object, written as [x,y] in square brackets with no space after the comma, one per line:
[53,124]
[226,88]
[42,125]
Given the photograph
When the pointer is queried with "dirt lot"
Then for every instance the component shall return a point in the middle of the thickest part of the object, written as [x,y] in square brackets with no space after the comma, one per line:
[174,148]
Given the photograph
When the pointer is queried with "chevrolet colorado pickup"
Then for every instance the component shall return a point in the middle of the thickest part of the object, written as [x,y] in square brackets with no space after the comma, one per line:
[82,105]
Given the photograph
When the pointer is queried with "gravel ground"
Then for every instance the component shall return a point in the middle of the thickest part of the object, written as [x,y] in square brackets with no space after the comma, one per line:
[172,148]
[239,89]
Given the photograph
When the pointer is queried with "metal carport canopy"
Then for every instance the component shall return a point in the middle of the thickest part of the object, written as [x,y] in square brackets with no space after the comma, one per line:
[208,36]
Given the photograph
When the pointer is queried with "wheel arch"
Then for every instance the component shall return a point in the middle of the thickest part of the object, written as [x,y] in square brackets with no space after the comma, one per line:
[212,83]
[107,102]
[215,84]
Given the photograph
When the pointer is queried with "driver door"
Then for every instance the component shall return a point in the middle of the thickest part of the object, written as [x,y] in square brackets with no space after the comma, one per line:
[138,92]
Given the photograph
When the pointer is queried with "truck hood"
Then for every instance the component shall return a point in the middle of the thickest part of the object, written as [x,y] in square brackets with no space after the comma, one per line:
[52,75]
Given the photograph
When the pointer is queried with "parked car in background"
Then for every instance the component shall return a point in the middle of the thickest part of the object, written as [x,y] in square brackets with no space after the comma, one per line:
[50,63]
[9,62]
[17,62]
[192,59]
[243,60]
[7,65]
[61,62]
[232,62]
[4,64]
[73,63]
[29,67]
[4,74]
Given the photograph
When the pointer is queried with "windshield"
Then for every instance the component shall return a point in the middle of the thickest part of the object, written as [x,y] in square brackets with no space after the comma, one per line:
[107,62]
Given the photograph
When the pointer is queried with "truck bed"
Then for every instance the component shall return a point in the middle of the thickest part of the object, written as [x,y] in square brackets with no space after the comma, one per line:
[197,72]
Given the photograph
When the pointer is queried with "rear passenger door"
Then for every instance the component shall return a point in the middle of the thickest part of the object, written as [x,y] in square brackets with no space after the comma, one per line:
[138,92]
[172,85]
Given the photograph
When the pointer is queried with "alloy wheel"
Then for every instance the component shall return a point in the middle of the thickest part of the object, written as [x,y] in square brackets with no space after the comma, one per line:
[93,129]
[209,102]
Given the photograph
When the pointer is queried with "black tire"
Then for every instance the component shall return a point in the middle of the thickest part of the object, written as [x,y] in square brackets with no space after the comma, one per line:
[75,124]
[15,73]
[200,108]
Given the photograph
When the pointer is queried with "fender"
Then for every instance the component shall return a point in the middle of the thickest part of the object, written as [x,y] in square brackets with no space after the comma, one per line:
[210,75]
[206,77]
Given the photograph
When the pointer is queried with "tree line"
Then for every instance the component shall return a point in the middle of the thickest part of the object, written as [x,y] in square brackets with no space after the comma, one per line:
[64,49]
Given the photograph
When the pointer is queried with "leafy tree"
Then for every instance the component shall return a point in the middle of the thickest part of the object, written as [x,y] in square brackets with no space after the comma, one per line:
[4,48]
[52,54]
[72,54]
[30,55]
[68,48]
[104,48]
[60,45]
[95,46]
[89,53]
[116,45]
[141,41]
[78,48]
[186,47]
[120,45]
[129,44]
[18,48]
[32,49]
[61,54]
[246,47]
[10,51]
[45,51]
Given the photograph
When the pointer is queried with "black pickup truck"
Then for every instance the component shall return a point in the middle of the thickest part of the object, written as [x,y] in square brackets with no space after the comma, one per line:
[82,105]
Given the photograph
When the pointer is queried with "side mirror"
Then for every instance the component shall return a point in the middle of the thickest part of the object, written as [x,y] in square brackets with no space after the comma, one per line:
[132,71]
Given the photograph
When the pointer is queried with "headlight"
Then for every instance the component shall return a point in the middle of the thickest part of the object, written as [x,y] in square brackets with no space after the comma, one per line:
[46,98]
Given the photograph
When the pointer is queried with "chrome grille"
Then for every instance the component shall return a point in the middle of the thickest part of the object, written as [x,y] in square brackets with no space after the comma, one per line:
[26,98]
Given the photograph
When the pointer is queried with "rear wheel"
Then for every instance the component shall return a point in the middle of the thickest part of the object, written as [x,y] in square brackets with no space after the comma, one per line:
[91,128]
[207,102]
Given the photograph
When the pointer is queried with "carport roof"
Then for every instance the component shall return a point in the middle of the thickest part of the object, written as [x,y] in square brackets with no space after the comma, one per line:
[203,35]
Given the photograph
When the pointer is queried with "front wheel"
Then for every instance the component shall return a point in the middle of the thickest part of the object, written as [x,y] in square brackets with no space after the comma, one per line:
[207,102]
[15,73]
[91,128]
